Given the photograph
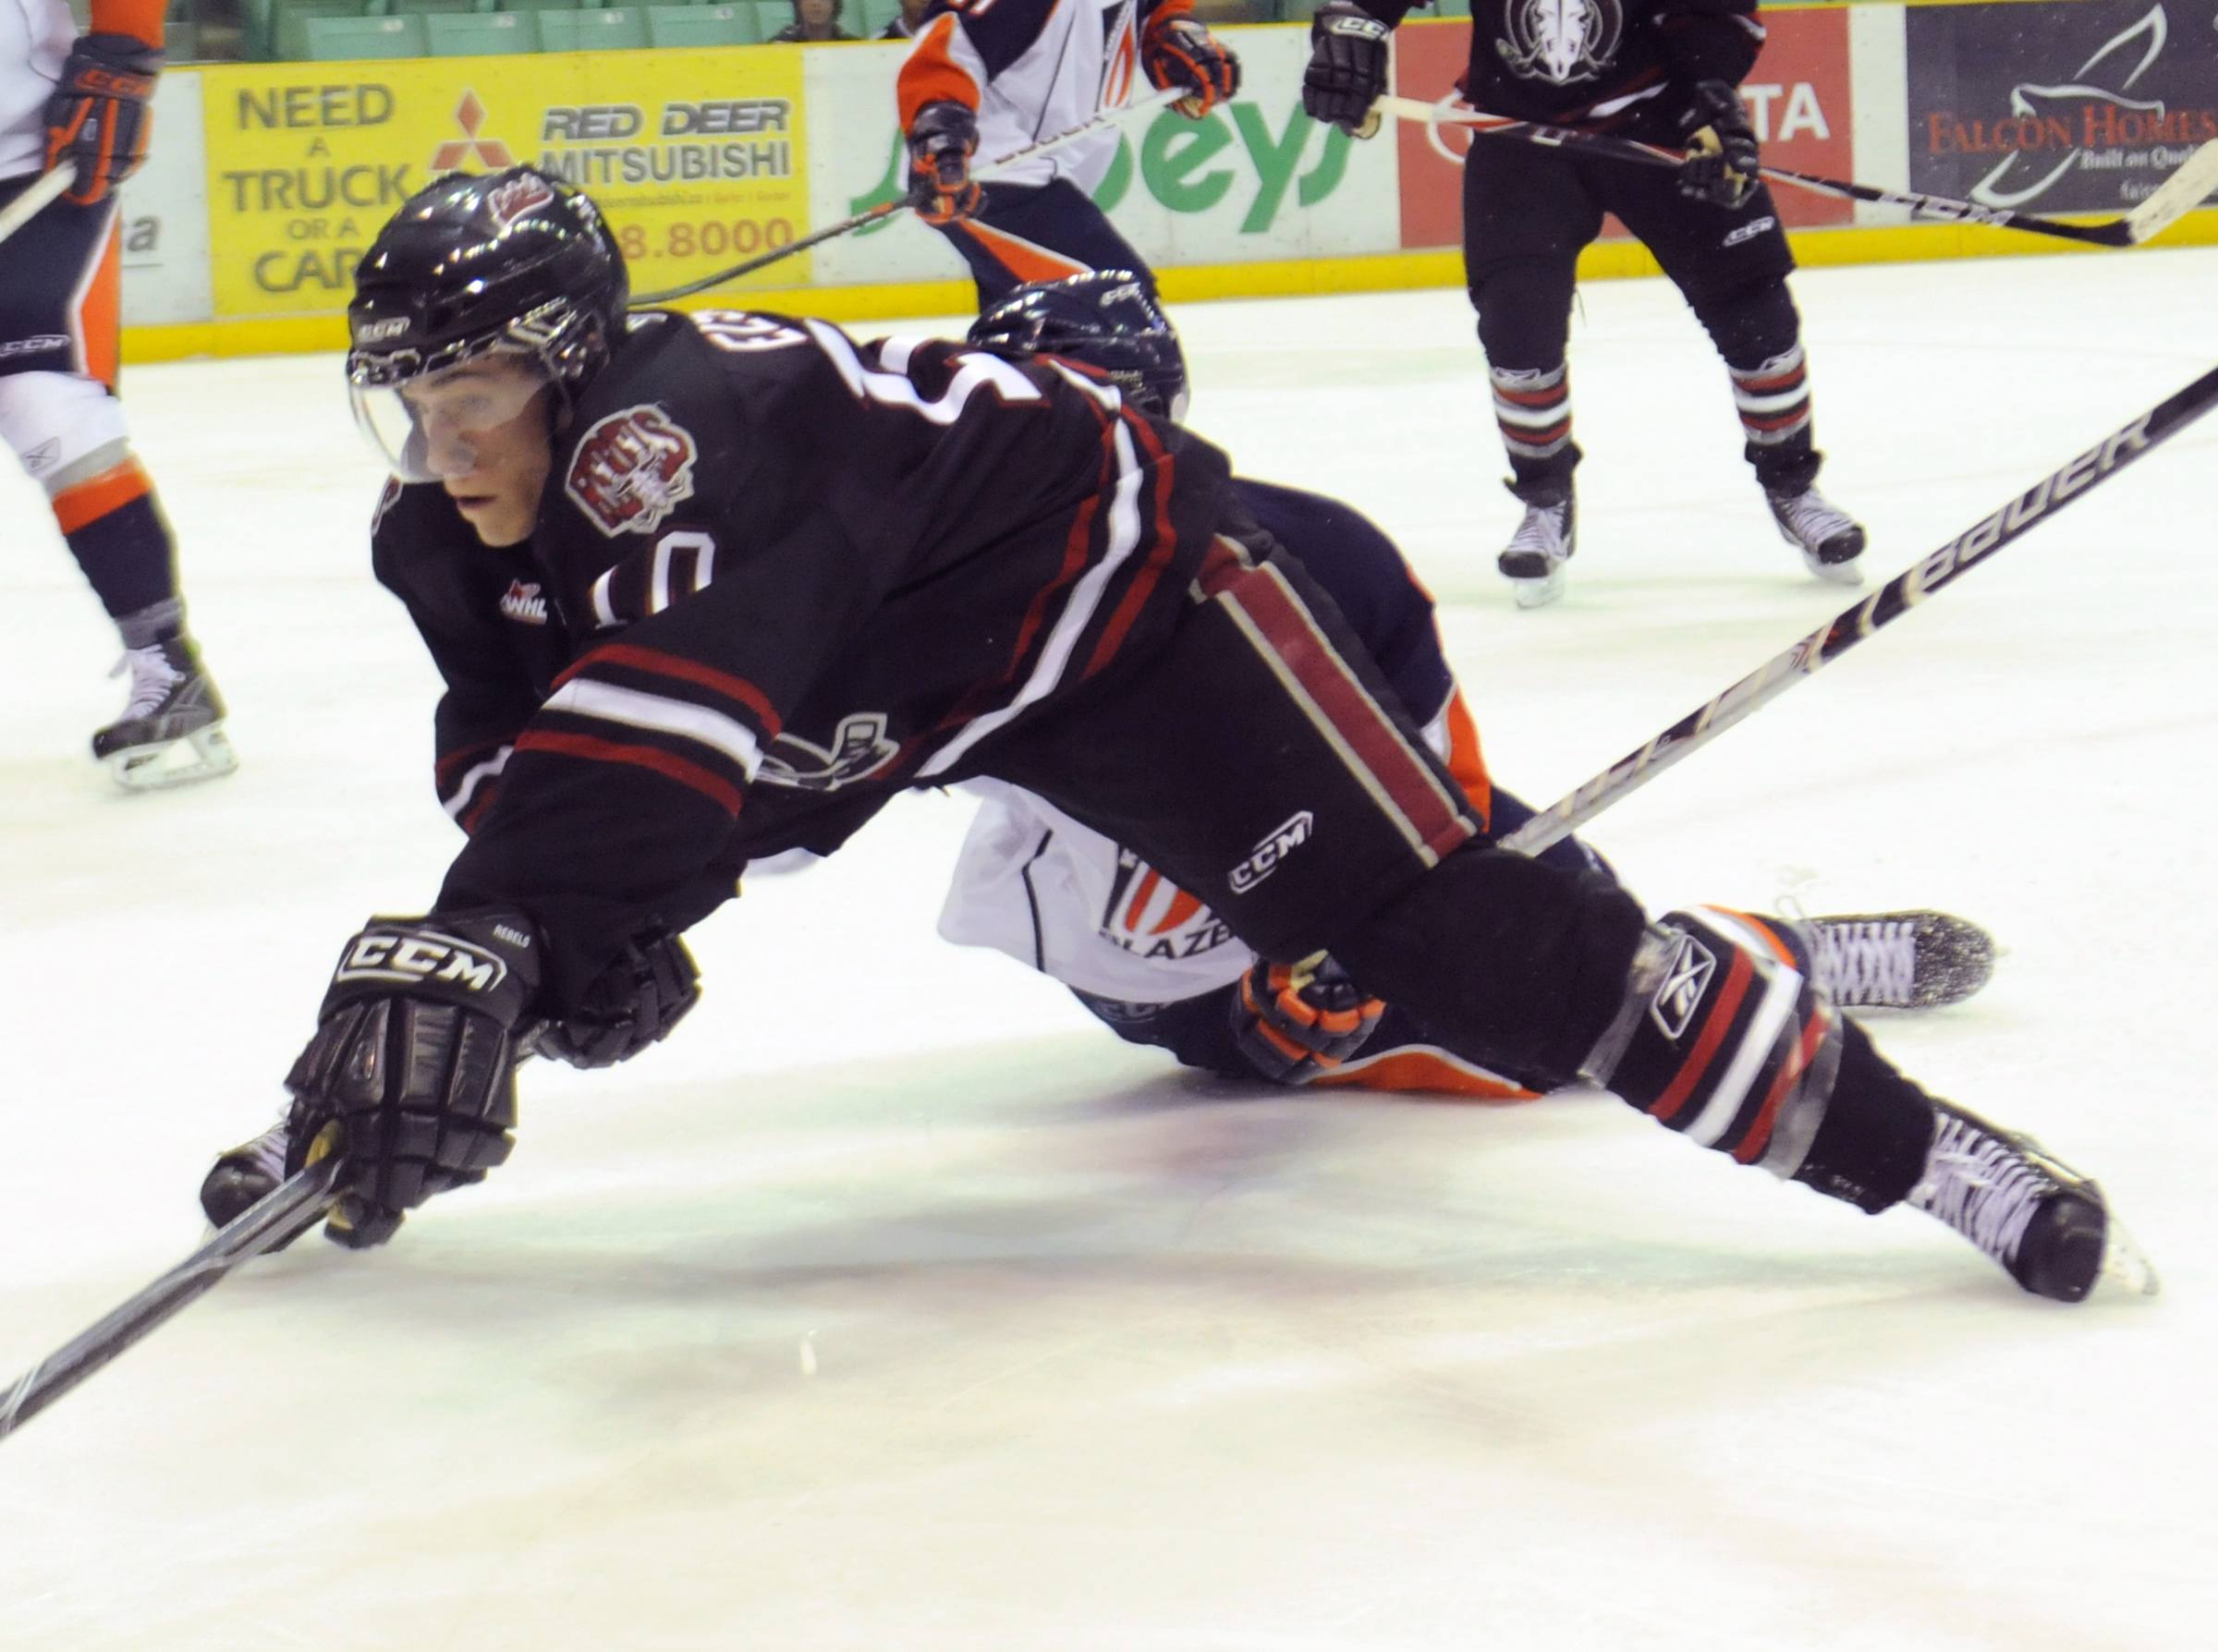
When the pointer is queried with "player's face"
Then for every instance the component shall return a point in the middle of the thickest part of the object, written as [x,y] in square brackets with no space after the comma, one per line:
[486,435]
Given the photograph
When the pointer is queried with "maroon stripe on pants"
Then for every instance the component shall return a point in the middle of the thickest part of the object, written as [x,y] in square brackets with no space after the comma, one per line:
[1408,783]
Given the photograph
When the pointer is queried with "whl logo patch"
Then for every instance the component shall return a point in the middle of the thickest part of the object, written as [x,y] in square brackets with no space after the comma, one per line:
[1686,983]
[632,469]
[525,602]
[1268,855]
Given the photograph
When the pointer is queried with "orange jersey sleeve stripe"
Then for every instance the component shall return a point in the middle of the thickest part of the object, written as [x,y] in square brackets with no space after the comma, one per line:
[931,74]
[139,18]
[1464,760]
[79,506]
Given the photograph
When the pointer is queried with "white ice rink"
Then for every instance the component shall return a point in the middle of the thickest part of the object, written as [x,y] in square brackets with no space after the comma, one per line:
[894,1305]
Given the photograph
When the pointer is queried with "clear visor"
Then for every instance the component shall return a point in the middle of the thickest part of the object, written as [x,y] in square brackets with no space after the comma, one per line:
[434,426]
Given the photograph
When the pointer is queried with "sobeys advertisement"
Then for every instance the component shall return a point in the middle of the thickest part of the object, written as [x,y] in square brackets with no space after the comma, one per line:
[699,159]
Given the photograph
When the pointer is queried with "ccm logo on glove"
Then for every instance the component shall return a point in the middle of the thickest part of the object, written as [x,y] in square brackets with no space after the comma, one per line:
[420,957]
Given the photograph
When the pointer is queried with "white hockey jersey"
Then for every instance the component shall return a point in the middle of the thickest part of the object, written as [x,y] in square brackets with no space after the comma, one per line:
[1032,68]
[34,38]
[1034,883]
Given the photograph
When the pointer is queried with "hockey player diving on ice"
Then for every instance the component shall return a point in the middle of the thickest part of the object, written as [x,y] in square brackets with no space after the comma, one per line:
[782,574]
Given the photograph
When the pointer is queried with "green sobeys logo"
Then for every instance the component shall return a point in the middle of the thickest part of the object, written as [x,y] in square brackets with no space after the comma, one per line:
[1192,165]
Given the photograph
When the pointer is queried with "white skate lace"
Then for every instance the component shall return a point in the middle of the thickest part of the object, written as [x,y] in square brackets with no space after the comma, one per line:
[152,676]
[1866,962]
[1811,516]
[1542,532]
[1982,1186]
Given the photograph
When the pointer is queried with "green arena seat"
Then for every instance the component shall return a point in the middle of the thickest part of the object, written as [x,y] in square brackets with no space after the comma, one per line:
[611,28]
[480,34]
[726,25]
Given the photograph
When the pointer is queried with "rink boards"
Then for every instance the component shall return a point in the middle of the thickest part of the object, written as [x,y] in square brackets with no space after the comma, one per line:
[268,179]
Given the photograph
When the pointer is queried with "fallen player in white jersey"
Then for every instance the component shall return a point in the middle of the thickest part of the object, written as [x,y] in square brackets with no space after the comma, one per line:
[1156,964]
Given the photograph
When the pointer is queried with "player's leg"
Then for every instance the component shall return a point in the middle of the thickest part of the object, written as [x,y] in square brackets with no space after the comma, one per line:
[1050,232]
[1260,761]
[1732,265]
[1526,214]
[58,412]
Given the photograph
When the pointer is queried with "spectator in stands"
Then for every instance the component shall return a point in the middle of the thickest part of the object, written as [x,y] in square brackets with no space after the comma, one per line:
[812,20]
[910,19]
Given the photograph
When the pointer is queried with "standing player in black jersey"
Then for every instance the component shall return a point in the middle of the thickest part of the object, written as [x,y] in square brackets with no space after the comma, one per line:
[1665,74]
[786,575]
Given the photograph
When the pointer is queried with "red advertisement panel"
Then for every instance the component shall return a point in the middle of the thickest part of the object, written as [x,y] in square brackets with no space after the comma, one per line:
[1798,97]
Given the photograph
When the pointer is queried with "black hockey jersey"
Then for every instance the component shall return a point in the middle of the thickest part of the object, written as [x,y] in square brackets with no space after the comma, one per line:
[1618,65]
[783,574]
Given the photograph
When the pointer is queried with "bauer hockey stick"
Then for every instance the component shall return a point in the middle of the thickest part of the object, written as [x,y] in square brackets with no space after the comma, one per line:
[34,201]
[279,1214]
[1889,602]
[886,209]
[2186,189]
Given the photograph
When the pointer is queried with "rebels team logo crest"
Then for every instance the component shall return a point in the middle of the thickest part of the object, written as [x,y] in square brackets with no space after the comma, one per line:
[511,201]
[859,750]
[632,469]
[1560,42]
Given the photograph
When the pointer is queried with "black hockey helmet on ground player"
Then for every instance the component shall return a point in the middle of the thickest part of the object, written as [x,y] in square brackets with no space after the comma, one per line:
[1106,320]
[515,264]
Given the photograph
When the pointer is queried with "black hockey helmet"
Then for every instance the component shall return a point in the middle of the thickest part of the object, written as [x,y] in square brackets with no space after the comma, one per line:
[1107,320]
[513,262]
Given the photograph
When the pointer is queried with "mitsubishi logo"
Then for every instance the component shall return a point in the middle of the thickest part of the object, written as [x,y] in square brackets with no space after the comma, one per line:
[456,153]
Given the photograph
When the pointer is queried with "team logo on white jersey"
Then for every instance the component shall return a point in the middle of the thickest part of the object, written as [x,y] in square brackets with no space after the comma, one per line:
[1560,42]
[1685,980]
[859,750]
[632,469]
[1151,916]
[524,601]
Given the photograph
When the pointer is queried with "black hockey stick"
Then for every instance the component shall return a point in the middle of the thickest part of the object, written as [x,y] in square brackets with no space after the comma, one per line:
[886,209]
[279,1214]
[1889,602]
[2186,189]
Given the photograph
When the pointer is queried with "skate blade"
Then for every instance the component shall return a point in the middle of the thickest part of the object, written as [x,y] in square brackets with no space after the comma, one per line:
[2125,1267]
[1538,593]
[205,753]
[1838,573]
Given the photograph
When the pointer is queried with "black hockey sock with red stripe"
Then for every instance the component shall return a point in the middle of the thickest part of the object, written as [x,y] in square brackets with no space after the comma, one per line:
[1725,1039]
[1532,407]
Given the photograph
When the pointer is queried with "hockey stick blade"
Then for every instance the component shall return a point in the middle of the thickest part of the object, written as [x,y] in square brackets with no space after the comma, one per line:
[280,1213]
[34,200]
[886,209]
[2178,194]
[1969,549]
[2192,183]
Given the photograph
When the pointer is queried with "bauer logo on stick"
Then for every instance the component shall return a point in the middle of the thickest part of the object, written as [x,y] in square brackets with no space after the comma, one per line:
[1685,982]
[632,469]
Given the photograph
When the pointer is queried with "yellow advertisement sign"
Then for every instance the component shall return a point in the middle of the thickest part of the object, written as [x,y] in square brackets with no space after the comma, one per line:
[697,157]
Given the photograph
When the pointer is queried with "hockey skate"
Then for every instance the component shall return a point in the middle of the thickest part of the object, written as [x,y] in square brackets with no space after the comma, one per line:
[1830,540]
[1898,960]
[2048,1226]
[172,732]
[1533,559]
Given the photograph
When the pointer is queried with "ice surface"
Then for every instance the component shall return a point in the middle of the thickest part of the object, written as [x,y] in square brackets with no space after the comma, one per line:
[892,1304]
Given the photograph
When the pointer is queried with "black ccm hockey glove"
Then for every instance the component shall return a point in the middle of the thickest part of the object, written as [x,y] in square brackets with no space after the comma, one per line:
[1720,165]
[411,1073]
[1347,67]
[633,1004]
